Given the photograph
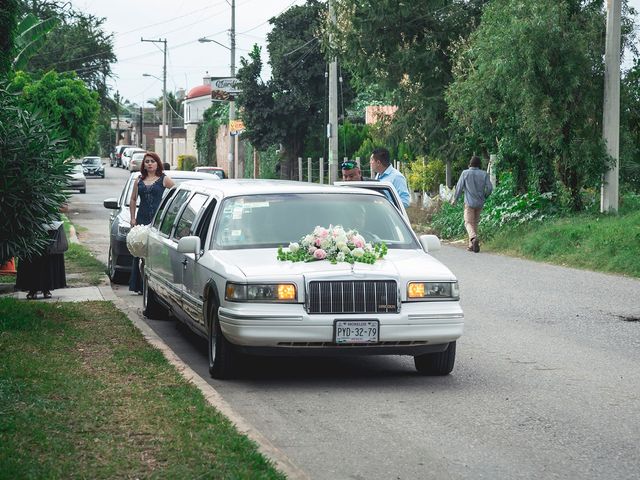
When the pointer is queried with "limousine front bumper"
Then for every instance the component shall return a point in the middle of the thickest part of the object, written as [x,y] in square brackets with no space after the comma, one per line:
[417,329]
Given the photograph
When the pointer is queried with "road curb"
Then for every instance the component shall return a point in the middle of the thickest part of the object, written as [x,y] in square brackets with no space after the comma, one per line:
[273,453]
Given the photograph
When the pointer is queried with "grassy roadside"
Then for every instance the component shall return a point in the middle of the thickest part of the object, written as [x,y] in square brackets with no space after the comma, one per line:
[603,243]
[83,395]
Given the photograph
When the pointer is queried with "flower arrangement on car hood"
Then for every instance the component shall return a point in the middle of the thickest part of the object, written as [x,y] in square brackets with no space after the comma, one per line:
[334,244]
[137,240]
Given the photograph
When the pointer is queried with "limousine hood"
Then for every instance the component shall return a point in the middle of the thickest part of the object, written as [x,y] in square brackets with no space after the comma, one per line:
[262,264]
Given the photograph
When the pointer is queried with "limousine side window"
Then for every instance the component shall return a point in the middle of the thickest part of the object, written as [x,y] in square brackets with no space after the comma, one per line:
[163,205]
[183,227]
[202,228]
[173,210]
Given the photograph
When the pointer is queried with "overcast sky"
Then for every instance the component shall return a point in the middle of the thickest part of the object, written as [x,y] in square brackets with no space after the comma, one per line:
[182,22]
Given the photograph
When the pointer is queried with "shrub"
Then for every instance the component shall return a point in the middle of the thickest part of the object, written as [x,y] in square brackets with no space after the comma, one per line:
[426,174]
[503,208]
[32,181]
[186,162]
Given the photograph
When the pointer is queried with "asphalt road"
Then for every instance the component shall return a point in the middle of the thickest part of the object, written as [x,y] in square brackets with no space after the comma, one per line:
[546,382]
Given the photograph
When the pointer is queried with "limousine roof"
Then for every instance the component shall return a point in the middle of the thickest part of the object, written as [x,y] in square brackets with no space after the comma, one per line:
[230,188]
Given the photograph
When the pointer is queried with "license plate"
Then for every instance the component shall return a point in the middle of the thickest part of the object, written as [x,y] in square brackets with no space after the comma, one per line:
[357,331]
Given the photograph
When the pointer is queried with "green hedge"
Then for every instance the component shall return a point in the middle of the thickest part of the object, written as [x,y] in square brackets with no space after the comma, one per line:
[187,162]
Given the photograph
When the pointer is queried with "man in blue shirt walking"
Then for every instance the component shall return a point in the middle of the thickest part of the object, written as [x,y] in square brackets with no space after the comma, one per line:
[380,164]
[477,186]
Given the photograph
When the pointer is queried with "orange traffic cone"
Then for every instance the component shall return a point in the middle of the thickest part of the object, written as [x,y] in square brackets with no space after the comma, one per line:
[8,268]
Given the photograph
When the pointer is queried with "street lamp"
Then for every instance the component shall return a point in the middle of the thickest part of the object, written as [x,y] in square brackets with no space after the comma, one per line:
[232,104]
[164,114]
[210,40]
[164,95]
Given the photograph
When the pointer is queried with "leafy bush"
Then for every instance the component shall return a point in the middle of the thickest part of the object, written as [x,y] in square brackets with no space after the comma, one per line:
[186,162]
[503,208]
[32,181]
[426,174]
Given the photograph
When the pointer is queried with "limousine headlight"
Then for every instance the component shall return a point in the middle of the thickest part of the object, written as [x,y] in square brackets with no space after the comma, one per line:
[269,292]
[433,291]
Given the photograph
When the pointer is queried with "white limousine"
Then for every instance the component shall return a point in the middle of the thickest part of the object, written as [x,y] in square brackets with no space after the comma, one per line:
[270,267]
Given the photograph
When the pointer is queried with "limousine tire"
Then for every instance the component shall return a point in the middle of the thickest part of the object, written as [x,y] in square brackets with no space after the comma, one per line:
[152,307]
[440,363]
[222,356]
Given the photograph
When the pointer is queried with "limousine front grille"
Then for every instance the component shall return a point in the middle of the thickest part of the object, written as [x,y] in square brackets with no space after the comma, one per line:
[353,296]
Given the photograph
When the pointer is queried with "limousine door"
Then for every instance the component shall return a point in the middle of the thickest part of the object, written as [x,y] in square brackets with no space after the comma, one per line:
[166,267]
[195,220]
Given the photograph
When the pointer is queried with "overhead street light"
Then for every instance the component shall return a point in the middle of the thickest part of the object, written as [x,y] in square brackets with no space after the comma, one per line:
[209,40]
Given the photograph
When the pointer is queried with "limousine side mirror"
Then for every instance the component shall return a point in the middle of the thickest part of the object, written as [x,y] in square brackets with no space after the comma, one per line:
[189,244]
[430,243]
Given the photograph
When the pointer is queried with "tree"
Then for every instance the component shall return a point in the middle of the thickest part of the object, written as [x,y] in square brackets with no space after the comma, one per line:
[8,22]
[77,44]
[31,35]
[404,48]
[66,104]
[630,128]
[285,108]
[32,180]
[528,84]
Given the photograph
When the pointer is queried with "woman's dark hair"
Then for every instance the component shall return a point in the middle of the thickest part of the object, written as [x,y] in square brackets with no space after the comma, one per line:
[159,169]
[475,162]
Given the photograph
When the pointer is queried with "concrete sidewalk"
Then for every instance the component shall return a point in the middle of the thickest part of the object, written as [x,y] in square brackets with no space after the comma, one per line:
[71,294]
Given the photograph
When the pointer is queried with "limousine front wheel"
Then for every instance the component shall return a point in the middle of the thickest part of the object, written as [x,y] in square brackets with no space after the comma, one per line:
[221,353]
[152,307]
[440,363]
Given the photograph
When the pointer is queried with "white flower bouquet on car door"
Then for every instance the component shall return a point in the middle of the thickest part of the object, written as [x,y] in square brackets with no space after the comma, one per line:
[137,240]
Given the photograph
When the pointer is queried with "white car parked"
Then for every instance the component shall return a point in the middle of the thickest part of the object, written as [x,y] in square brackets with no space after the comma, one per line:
[213,263]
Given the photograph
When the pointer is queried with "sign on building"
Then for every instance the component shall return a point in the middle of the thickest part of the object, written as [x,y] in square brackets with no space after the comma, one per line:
[224,88]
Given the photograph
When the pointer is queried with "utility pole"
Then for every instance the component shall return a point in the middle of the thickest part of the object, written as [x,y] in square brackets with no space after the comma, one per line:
[164,96]
[141,125]
[611,110]
[233,160]
[117,99]
[332,126]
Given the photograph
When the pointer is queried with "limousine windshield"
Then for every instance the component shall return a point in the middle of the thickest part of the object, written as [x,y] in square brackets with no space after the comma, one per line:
[267,221]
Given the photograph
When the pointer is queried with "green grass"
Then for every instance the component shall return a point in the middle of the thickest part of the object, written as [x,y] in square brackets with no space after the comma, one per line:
[82,395]
[7,279]
[79,260]
[604,243]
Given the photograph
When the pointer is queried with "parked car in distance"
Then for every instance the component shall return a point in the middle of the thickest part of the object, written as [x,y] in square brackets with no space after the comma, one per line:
[213,264]
[126,156]
[119,259]
[136,161]
[217,171]
[117,154]
[93,167]
[76,179]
